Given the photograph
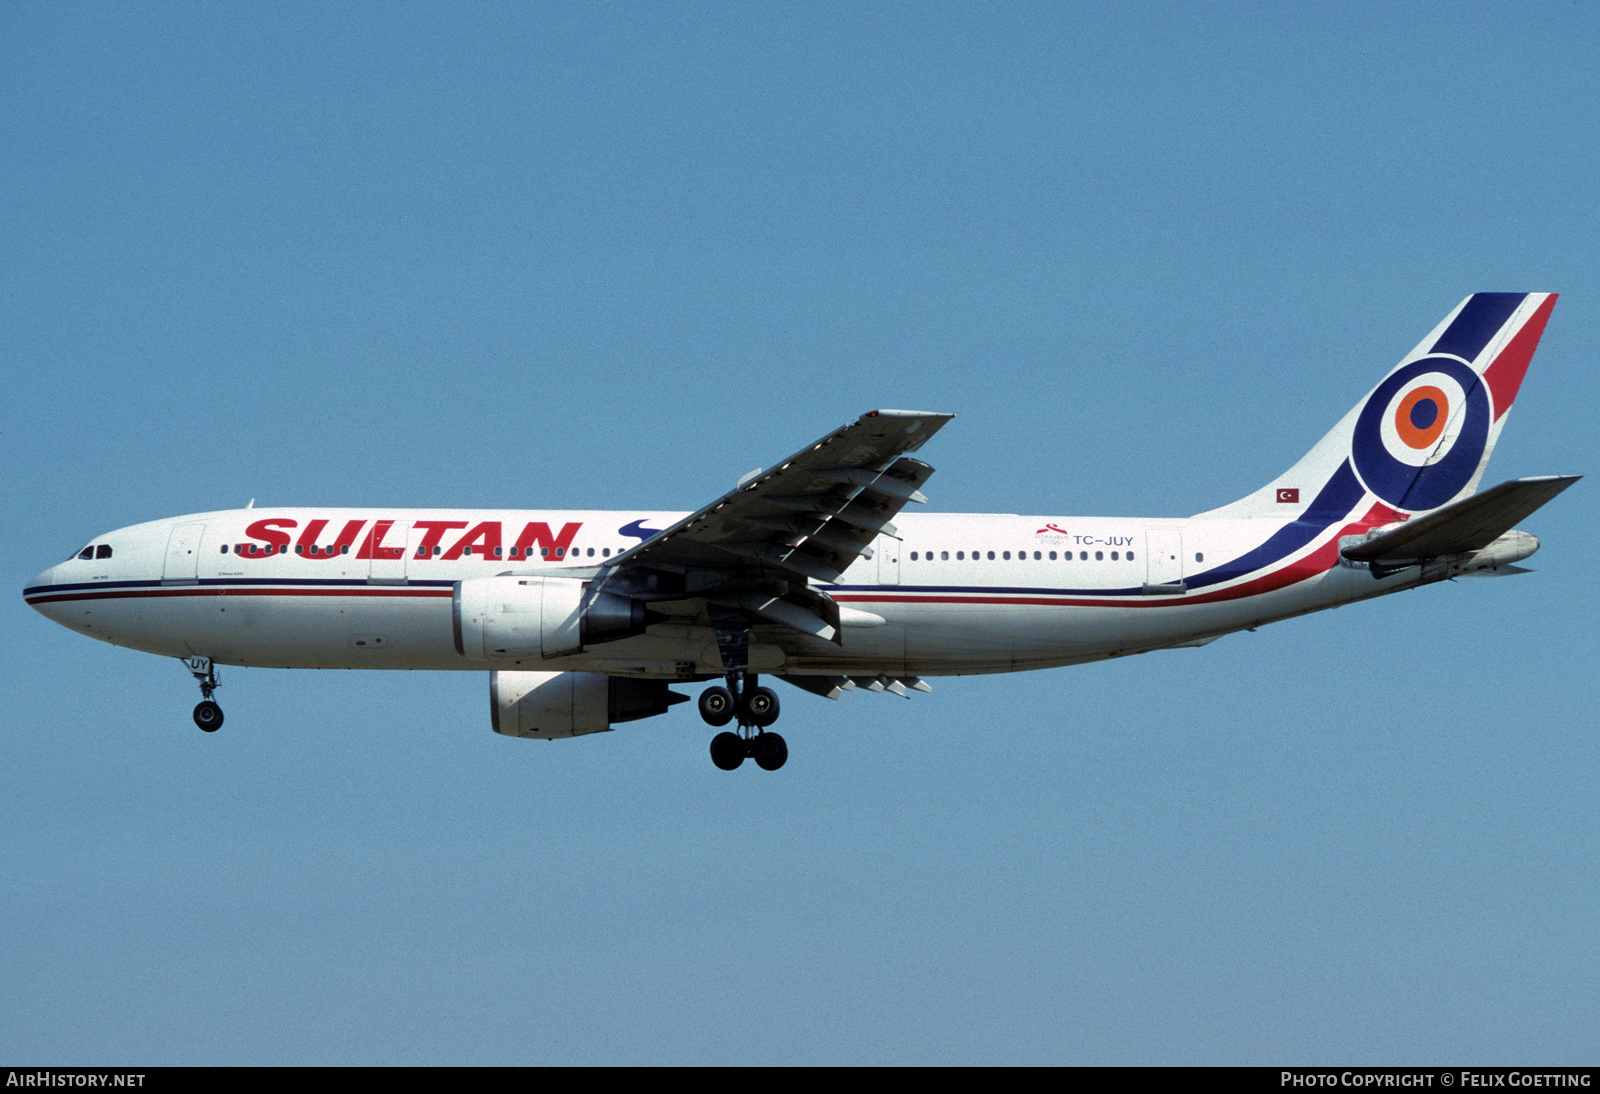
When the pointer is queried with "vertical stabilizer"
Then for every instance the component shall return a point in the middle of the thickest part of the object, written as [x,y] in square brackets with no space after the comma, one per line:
[1423,437]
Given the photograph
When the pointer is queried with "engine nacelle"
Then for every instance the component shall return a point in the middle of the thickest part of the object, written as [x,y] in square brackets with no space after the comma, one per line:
[518,618]
[566,704]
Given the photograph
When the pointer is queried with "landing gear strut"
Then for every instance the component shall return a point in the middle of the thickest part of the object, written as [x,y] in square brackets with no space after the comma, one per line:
[755,707]
[207,715]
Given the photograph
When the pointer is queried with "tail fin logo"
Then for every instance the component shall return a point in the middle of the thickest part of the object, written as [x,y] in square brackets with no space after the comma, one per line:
[1422,434]
[1420,419]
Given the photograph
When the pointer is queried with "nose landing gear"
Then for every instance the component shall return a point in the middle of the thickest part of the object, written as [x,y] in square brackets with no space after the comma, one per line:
[207,715]
[756,708]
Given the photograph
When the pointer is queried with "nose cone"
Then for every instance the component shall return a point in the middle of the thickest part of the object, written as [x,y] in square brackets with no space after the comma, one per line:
[37,591]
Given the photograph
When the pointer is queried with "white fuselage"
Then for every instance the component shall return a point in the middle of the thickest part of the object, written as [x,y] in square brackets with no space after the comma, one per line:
[955,594]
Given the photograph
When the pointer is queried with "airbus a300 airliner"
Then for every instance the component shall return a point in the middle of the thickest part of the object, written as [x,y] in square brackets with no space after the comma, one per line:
[809,571]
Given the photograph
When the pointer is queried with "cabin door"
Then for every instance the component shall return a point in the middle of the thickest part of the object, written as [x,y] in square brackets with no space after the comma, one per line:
[183,554]
[888,560]
[1163,553]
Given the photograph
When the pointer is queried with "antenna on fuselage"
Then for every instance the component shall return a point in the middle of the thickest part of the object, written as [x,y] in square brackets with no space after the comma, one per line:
[252,504]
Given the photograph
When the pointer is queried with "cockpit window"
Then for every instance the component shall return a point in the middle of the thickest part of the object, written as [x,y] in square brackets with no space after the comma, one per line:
[103,551]
[87,552]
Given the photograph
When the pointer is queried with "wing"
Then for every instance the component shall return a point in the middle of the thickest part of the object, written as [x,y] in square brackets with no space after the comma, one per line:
[756,549]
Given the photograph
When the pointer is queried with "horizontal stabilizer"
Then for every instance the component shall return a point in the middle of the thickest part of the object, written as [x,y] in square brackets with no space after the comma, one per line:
[1468,525]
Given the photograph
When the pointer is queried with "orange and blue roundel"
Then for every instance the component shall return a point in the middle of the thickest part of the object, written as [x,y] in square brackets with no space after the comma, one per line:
[1421,434]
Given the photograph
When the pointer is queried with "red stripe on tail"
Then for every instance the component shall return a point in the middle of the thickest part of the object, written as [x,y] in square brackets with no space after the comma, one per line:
[1504,376]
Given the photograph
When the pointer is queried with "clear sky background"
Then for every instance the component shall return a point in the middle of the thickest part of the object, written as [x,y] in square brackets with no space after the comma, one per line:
[616,256]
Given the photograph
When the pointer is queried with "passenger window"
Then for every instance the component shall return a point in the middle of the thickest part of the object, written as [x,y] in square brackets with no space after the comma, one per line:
[1036,556]
[436,549]
[991,556]
[1113,556]
[961,556]
[345,549]
[1099,556]
[224,548]
[1130,556]
[1083,556]
[605,552]
[1052,556]
[1199,556]
[944,556]
[591,552]
[1004,554]
[913,556]
[299,548]
[544,552]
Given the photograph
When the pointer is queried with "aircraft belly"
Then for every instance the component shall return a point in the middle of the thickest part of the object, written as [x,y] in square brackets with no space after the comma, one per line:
[296,631]
[954,638]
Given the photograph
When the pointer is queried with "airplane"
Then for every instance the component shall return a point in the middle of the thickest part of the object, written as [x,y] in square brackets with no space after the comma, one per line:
[810,572]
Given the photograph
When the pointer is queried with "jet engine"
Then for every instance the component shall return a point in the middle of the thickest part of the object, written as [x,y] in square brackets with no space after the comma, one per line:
[565,704]
[520,618]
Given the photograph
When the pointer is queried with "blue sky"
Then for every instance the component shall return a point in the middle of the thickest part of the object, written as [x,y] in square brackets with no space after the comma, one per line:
[572,256]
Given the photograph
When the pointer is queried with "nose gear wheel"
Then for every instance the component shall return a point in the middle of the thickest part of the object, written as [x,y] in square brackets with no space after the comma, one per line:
[207,715]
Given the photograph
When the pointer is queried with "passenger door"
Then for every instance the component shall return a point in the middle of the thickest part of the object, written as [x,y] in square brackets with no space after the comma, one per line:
[183,555]
[888,560]
[1163,553]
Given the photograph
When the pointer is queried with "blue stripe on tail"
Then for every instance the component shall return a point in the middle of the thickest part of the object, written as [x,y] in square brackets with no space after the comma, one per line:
[1482,317]
[1332,503]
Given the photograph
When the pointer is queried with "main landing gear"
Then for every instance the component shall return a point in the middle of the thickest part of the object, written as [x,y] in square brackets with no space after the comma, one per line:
[756,708]
[207,715]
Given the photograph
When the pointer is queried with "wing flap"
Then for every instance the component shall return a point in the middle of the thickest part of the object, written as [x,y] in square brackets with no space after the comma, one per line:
[776,610]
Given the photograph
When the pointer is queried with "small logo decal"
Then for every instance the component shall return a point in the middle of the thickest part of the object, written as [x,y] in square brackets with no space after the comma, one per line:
[638,529]
[1051,528]
[1289,495]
